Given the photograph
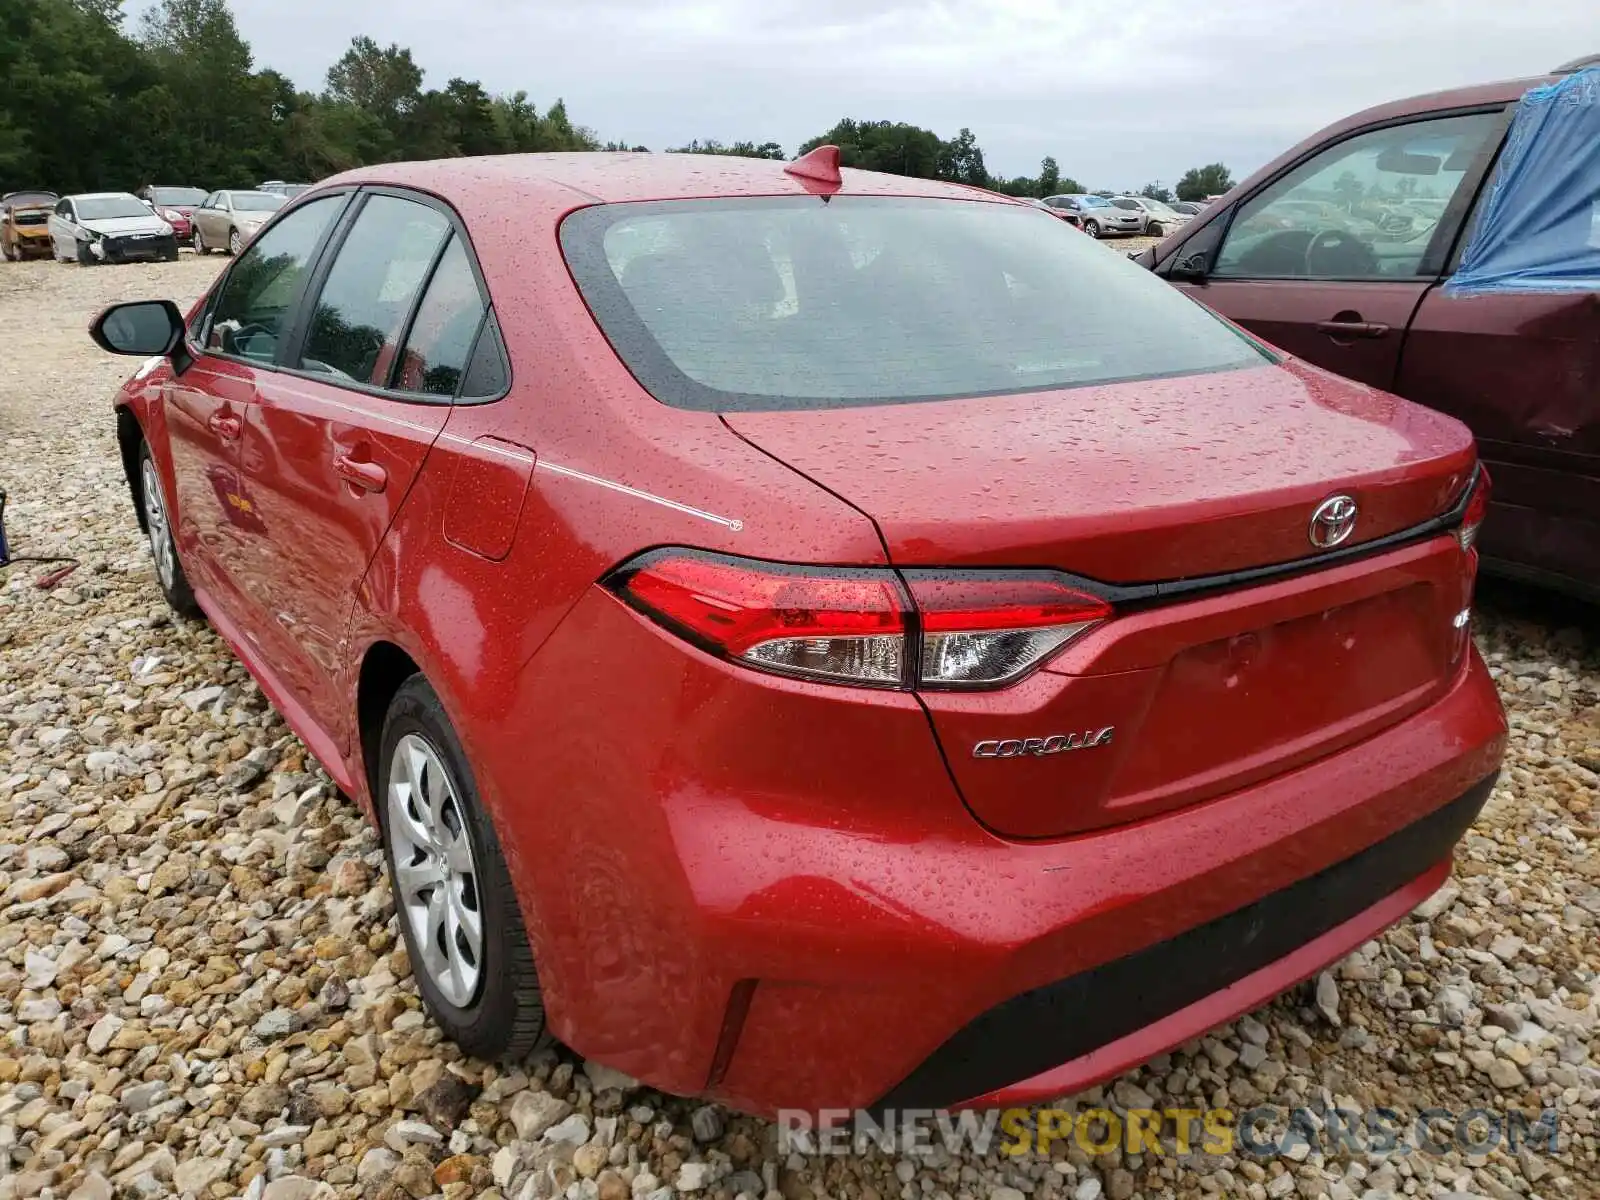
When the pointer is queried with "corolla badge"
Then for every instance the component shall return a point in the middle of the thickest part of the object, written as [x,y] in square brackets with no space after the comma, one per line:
[1034,747]
[1333,522]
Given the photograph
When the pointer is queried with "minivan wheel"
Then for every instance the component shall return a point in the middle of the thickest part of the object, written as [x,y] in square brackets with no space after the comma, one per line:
[1092,228]
[163,549]
[452,892]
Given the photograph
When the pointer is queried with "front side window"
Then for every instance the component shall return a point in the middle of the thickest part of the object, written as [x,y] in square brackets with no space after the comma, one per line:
[251,312]
[1131,205]
[370,289]
[793,303]
[445,327]
[1365,208]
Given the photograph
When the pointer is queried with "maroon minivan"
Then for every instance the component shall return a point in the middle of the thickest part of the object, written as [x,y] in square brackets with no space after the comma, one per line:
[1337,251]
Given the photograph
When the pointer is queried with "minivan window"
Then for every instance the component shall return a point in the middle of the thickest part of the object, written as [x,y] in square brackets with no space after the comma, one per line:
[252,309]
[370,288]
[1352,211]
[795,303]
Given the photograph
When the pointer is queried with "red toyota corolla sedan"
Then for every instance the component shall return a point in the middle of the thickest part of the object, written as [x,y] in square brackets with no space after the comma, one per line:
[817,639]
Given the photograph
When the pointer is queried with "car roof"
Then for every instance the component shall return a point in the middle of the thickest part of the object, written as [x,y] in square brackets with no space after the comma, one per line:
[102,196]
[612,177]
[1502,91]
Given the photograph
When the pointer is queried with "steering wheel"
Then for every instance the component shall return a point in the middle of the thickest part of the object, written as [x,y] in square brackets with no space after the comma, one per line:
[1336,252]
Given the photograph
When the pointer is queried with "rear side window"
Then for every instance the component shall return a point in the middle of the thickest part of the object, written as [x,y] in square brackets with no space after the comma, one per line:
[446,325]
[370,288]
[791,302]
[250,313]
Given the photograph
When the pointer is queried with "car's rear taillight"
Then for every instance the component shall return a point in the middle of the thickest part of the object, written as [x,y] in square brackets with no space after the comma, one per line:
[963,629]
[1477,508]
[983,629]
[847,625]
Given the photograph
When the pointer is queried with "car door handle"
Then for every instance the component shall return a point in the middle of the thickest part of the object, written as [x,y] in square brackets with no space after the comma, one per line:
[368,476]
[225,426]
[1353,329]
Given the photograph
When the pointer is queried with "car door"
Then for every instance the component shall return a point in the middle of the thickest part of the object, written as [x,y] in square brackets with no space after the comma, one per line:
[210,217]
[330,451]
[1329,261]
[235,343]
[63,234]
[1523,372]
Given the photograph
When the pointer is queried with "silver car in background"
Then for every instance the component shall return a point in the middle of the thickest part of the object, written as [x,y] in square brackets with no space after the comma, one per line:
[1097,216]
[1159,219]
[227,220]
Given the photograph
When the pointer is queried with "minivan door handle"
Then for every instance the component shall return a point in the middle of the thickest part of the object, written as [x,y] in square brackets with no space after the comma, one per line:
[1349,329]
[368,476]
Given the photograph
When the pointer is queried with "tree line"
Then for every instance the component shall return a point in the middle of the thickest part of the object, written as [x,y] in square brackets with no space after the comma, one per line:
[88,103]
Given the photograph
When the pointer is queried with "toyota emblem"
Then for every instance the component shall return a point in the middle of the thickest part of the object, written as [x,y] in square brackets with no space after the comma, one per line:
[1333,522]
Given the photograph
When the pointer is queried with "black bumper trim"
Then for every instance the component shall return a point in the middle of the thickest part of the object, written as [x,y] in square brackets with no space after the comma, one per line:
[1058,1022]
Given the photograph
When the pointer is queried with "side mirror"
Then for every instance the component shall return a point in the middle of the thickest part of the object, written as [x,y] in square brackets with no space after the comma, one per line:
[1189,268]
[143,327]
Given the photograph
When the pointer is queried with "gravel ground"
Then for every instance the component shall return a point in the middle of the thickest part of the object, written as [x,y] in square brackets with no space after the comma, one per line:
[202,991]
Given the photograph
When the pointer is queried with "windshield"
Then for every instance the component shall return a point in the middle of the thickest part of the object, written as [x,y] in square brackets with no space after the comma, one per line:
[186,197]
[791,303]
[109,208]
[257,202]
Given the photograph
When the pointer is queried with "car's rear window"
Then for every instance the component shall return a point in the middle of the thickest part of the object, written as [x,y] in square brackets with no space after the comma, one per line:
[793,302]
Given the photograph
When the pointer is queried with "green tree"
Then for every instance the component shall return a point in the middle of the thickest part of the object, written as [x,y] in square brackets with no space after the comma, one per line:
[1049,177]
[218,123]
[1156,191]
[961,160]
[385,82]
[890,146]
[737,149]
[1199,182]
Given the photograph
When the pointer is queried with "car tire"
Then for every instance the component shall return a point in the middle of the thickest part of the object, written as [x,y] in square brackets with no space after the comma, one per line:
[1153,229]
[1092,228]
[163,547]
[85,259]
[482,991]
[235,243]
[198,242]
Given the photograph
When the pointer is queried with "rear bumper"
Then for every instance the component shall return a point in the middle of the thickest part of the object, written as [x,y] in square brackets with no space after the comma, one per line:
[830,928]
[1102,1021]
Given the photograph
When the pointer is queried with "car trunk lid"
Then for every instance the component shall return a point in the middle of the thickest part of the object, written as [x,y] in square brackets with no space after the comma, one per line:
[1188,479]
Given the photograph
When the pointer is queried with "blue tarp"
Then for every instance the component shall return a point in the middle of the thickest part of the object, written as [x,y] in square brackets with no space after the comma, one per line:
[1540,226]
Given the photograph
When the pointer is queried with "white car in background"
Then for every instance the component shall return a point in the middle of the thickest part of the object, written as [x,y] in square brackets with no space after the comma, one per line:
[1158,218]
[109,227]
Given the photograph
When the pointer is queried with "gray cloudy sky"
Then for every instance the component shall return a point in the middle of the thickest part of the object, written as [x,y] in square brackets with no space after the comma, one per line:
[1120,91]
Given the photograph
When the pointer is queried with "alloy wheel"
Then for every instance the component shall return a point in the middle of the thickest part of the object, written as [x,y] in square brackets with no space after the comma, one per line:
[435,871]
[235,243]
[155,518]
